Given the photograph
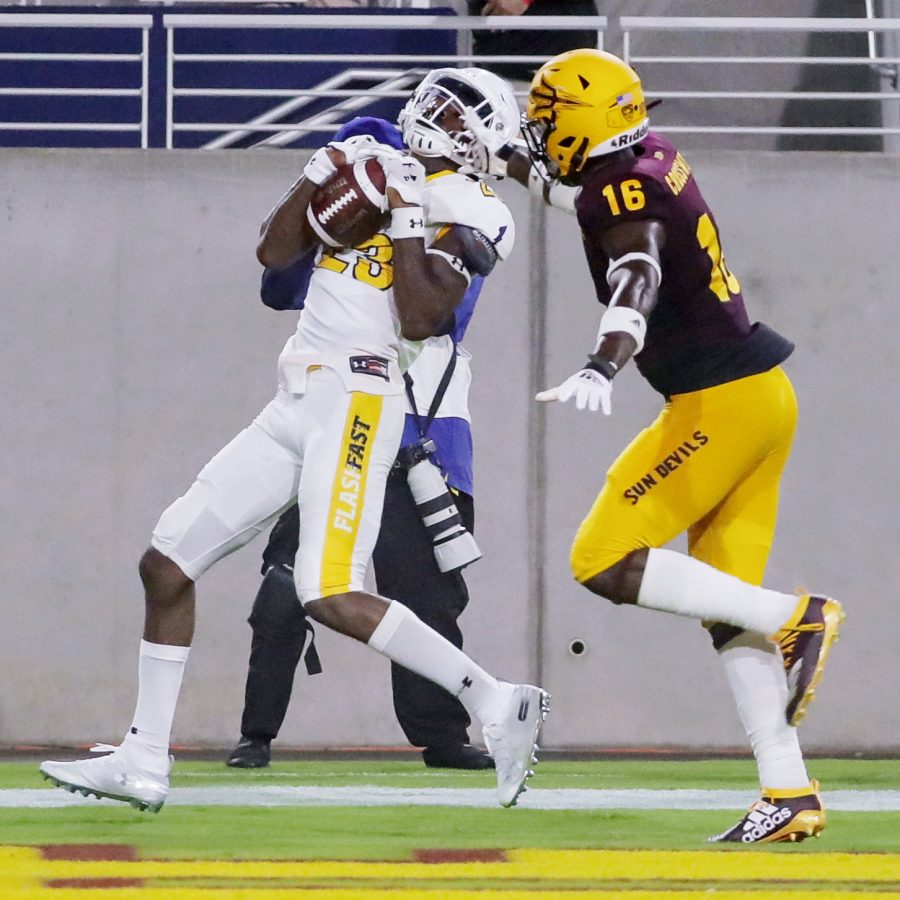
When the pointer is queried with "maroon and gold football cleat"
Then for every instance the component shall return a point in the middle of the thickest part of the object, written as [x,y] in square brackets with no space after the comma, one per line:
[805,640]
[779,816]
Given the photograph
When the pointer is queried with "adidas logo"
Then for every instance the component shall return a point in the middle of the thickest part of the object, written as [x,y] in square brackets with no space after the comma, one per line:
[763,821]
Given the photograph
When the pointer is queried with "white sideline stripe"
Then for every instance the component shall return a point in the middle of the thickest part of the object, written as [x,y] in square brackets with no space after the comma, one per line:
[539,798]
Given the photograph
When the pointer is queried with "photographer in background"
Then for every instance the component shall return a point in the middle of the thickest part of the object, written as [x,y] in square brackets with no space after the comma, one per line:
[406,555]
[516,42]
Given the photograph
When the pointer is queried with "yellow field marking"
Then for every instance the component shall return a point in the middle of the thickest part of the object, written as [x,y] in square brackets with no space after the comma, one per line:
[170,893]
[535,865]
[695,865]
[20,867]
[25,873]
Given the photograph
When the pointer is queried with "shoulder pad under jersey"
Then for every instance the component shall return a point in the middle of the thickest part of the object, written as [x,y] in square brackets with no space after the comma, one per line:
[454,199]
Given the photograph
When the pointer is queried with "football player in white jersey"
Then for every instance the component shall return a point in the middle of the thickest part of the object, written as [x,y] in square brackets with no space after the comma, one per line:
[330,435]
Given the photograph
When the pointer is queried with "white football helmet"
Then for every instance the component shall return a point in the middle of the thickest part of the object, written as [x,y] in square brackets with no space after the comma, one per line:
[487,94]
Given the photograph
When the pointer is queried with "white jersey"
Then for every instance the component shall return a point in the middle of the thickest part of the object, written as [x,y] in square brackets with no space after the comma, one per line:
[349,321]
[427,372]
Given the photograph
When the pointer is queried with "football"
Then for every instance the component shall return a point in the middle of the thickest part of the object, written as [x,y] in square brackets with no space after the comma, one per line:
[351,206]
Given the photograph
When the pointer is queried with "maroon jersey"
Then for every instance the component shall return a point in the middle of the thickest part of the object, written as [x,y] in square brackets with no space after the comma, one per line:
[698,335]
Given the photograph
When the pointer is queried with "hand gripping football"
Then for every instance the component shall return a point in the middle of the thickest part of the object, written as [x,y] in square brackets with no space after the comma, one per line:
[350,206]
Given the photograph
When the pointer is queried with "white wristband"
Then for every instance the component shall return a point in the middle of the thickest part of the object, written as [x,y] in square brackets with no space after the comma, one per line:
[624,319]
[407,222]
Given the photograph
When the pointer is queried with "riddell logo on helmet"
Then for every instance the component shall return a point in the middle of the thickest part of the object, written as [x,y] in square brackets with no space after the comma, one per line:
[630,137]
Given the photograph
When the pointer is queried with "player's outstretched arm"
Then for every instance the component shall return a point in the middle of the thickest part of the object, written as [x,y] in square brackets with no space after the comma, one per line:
[518,165]
[634,275]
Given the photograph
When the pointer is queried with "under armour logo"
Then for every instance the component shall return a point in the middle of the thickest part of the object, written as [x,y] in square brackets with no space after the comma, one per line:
[416,223]
[467,682]
[409,174]
[522,714]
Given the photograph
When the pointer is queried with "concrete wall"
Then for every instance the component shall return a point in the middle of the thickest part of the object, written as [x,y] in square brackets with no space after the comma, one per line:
[132,346]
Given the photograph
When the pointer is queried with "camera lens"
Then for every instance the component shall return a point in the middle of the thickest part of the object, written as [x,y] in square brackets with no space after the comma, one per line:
[454,547]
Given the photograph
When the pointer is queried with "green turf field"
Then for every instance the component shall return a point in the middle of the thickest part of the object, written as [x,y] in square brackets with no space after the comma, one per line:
[437,850]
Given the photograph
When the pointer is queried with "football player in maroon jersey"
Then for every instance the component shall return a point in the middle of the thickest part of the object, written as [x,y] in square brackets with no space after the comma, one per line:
[711,463]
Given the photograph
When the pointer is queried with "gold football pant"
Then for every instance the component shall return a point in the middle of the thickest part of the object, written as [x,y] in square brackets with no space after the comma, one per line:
[709,465]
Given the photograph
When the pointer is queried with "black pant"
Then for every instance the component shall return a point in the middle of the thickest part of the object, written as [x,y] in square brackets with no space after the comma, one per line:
[406,571]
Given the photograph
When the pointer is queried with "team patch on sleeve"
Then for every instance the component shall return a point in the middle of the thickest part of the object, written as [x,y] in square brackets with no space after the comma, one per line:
[370,365]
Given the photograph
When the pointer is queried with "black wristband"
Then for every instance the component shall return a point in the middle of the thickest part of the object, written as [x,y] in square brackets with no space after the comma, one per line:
[605,367]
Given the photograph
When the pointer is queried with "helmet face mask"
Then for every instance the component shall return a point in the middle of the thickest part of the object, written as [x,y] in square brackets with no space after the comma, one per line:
[582,104]
[536,132]
[450,92]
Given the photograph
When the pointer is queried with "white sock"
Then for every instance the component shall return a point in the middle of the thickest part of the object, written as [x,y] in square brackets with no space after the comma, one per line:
[756,675]
[676,583]
[405,639]
[160,669]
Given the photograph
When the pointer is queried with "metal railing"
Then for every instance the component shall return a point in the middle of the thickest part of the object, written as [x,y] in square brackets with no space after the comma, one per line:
[207,93]
[765,34]
[885,69]
[386,76]
[61,64]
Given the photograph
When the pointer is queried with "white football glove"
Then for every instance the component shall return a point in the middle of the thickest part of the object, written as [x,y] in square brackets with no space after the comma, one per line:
[490,152]
[591,389]
[319,168]
[406,175]
[363,146]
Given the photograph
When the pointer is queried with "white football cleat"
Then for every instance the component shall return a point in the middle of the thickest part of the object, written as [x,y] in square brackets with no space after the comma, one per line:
[111,776]
[511,736]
